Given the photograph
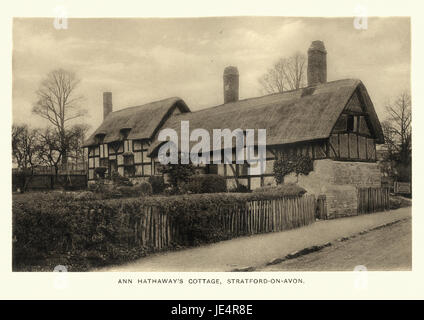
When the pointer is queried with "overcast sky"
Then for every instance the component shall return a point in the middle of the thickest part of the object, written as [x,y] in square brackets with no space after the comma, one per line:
[142,60]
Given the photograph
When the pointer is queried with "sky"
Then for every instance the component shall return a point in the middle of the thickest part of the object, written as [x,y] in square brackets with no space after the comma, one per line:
[143,60]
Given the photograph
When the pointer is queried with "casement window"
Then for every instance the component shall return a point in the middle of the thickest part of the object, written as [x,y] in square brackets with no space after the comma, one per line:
[104,163]
[352,123]
[113,166]
[129,167]
[129,171]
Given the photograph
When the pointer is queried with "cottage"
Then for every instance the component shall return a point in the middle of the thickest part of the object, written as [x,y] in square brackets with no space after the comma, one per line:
[334,122]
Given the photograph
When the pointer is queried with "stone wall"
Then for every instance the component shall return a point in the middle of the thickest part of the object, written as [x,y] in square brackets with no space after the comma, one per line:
[339,180]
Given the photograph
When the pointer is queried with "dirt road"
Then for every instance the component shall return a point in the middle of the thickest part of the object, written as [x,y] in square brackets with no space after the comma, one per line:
[257,250]
[388,248]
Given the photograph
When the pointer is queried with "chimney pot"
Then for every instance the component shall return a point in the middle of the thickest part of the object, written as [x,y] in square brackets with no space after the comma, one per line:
[231,84]
[107,104]
[317,63]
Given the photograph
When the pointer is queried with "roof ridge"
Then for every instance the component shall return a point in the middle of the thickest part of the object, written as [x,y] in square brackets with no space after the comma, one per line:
[273,94]
[148,103]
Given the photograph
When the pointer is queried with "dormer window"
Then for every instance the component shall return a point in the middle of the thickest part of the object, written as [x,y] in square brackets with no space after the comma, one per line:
[99,138]
[124,132]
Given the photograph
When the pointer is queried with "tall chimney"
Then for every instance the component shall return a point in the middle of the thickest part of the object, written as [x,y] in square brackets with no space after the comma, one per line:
[107,104]
[317,63]
[231,84]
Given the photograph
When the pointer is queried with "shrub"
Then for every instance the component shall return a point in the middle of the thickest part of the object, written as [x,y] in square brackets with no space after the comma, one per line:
[100,172]
[145,188]
[104,190]
[119,180]
[179,175]
[288,190]
[206,183]
[240,188]
[56,228]
[298,164]
[141,189]
[158,184]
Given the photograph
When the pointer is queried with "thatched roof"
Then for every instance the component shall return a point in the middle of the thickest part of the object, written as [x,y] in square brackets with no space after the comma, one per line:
[144,120]
[294,116]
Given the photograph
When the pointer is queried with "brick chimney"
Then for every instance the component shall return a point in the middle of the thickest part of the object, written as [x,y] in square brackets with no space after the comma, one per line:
[231,84]
[317,63]
[107,104]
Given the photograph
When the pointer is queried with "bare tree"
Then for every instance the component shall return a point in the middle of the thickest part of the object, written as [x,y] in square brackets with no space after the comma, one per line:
[398,136]
[285,74]
[58,103]
[25,148]
[50,149]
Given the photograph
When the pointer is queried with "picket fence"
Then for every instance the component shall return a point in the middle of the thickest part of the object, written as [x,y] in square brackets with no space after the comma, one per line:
[373,200]
[157,230]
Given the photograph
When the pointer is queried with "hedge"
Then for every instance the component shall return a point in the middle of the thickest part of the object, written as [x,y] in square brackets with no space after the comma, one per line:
[205,183]
[289,189]
[77,231]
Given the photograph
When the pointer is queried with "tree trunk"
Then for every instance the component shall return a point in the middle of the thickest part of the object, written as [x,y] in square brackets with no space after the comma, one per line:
[65,160]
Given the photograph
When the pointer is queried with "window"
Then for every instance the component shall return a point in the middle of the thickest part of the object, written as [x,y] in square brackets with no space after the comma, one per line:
[104,163]
[129,168]
[113,167]
[129,171]
[352,123]
[128,159]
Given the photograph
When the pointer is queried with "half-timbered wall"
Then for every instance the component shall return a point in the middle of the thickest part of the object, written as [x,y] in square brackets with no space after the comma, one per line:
[238,173]
[128,157]
[352,138]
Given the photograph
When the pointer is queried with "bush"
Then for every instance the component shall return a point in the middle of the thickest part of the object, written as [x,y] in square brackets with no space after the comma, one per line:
[104,190]
[119,180]
[57,228]
[296,163]
[288,190]
[206,183]
[100,172]
[141,189]
[240,188]
[158,184]
[178,175]
[145,188]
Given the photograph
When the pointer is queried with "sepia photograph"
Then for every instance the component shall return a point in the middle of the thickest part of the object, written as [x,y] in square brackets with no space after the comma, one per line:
[211,144]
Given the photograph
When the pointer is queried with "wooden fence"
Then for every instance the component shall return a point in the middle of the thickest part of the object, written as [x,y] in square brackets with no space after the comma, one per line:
[321,209]
[48,181]
[373,199]
[157,230]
